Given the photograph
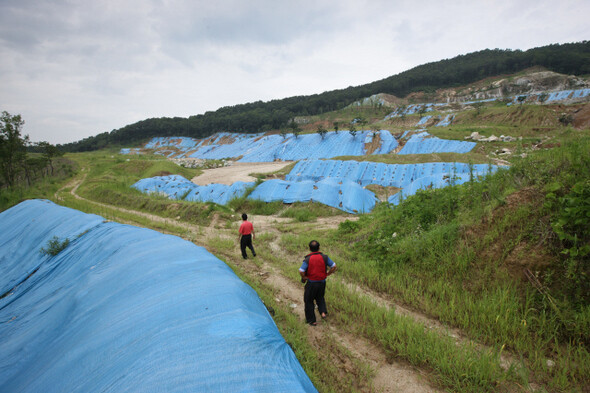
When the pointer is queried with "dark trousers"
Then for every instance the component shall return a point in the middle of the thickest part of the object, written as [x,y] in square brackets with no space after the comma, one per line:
[314,292]
[246,241]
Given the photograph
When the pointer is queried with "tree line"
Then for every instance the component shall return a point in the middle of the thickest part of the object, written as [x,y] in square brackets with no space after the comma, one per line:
[573,58]
[17,165]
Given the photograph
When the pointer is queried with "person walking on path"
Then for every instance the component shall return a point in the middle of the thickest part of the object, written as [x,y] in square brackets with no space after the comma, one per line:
[246,236]
[314,270]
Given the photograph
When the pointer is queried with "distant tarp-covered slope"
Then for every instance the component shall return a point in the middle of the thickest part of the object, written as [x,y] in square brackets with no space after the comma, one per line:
[424,143]
[342,194]
[268,148]
[409,177]
[335,183]
[125,309]
[177,187]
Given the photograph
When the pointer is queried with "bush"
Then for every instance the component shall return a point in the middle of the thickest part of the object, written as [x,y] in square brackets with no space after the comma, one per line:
[54,246]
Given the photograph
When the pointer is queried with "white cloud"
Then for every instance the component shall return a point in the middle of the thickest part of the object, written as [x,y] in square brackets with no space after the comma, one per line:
[76,70]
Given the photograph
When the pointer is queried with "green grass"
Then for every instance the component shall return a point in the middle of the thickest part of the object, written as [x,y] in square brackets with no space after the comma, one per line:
[309,211]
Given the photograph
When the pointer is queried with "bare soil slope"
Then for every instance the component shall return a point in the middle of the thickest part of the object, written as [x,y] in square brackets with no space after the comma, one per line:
[238,171]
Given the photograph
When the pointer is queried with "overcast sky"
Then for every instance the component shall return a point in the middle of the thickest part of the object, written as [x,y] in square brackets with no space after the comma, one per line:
[74,69]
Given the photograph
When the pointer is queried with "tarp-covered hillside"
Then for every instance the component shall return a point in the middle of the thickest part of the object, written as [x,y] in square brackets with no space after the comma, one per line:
[177,187]
[339,184]
[342,194]
[409,177]
[94,306]
[268,148]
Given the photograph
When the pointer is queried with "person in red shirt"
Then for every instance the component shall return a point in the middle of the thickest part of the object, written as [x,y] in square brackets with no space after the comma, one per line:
[314,270]
[246,236]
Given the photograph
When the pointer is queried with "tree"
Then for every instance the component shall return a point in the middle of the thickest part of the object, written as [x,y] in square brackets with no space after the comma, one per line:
[34,165]
[294,128]
[477,106]
[283,133]
[49,151]
[374,131]
[352,131]
[13,151]
[336,124]
[322,131]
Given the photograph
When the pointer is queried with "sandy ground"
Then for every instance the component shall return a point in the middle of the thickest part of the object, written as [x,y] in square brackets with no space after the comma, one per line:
[238,171]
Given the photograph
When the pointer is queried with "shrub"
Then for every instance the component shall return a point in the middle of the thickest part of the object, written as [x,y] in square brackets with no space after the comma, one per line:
[54,246]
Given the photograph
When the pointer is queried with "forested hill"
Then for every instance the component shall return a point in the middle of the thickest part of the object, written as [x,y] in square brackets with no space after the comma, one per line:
[260,116]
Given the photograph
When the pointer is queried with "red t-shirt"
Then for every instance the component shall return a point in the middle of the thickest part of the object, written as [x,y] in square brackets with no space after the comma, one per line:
[246,228]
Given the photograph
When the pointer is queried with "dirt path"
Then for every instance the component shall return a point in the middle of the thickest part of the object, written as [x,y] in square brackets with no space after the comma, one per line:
[238,171]
[388,376]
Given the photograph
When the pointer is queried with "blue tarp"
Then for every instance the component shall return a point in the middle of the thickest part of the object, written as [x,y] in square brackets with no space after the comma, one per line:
[342,194]
[387,175]
[268,148]
[177,187]
[427,183]
[423,121]
[423,143]
[446,121]
[335,183]
[567,94]
[125,309]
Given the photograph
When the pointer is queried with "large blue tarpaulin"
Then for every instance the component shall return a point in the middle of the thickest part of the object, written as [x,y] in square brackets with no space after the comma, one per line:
[342,194]
[268,148]
[409,177]
[177,187]
[335,183]
[427,183]
[424,143]
[125,309]
[386,175]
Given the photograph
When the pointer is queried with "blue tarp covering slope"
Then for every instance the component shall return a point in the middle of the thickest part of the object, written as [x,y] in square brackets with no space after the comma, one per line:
[386,175]
[342,194]
[177,187]
[428,183]
[409,177]
[268,148]
[124,309]
[424,143]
